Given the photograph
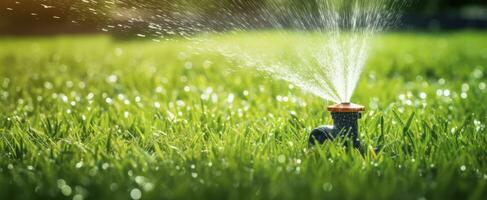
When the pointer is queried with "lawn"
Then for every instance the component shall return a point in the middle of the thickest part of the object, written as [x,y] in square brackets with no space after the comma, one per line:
[91,117]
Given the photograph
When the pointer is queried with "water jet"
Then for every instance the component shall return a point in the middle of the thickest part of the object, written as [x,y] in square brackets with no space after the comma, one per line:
[345,117]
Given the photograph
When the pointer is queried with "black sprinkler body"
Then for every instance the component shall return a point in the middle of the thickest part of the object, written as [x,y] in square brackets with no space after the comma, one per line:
[345,117]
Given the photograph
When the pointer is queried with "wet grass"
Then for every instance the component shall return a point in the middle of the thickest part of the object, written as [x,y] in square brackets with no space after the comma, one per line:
[95,118]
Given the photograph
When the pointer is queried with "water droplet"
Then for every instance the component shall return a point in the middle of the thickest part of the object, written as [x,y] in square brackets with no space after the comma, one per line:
[64,98]
[112,78]
[105,166]
[139,180]
[109,100]
[465,87]
[159,89]
[171,116]
[441,81]
[439,92]
[482,86]
[66,190]
[328,187]
[281,158]
[46,6]
[214,98]
[423,95]
[148,187]
[478,73]
[60,182]
[194,174]
[446,93]
[230,98]
[79,164]
[135,194]
[78,197]
[463,168]
[90,96]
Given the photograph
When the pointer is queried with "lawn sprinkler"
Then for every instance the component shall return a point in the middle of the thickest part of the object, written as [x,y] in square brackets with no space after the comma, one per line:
[345,117]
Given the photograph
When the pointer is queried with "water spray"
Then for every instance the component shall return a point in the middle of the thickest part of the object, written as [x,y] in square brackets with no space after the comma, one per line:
[345,117]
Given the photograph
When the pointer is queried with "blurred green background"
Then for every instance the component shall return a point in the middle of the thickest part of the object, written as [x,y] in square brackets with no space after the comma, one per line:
[31,17]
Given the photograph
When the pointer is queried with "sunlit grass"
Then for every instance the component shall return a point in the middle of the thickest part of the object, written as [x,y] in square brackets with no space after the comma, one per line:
[96,118]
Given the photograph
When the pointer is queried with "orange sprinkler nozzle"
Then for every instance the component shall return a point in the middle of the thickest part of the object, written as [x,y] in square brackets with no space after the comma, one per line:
[345,124]
[346,108]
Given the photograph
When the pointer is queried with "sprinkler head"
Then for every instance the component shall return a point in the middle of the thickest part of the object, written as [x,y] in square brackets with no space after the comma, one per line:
[345,117]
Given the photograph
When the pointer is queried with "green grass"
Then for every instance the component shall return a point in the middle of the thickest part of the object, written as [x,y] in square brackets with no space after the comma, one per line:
[171,132]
